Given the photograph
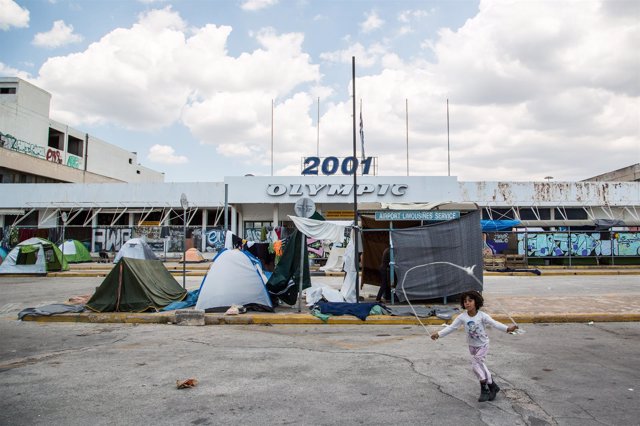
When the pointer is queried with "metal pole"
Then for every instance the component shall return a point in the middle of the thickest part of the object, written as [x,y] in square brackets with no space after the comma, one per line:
[303,242]
[184,248]
[226,208]
[448,149]
[271,137]
[318,140]
[355,184]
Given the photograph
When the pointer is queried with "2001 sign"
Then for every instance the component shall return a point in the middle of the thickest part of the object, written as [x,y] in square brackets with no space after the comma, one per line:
[330,165]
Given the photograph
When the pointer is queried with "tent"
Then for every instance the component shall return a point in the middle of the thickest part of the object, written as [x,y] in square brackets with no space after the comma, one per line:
[34,256]
[193,256]
[135,248]
[136,285]
[75,252]
[234,278]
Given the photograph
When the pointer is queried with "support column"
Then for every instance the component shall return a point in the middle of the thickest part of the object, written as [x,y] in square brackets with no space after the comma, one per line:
[234,220]
[203,243]
[276,218]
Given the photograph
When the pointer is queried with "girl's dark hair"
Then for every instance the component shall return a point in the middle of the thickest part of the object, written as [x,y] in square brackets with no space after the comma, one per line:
[473,295]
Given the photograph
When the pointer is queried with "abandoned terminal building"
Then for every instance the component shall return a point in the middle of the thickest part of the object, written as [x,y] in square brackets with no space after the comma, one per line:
[50,172]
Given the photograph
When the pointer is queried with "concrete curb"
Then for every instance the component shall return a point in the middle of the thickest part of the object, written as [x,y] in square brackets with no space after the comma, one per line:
[202,273]
[308,319]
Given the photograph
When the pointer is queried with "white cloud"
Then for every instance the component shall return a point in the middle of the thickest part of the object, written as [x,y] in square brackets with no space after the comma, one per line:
[365,56]
[164,154]
[12,15]
[59,35]
[535,89]
[7,71]
[373,22]
[253,5]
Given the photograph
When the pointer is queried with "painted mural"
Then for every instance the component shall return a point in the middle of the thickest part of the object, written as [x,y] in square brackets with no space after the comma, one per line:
[109,239]
[560,244]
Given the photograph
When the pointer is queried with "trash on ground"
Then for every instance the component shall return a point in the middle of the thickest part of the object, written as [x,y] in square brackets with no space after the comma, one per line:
[188,383]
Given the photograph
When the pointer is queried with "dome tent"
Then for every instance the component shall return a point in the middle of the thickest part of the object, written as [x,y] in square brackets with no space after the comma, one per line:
[234,278]
[135,248]
[34,256]
[75,252]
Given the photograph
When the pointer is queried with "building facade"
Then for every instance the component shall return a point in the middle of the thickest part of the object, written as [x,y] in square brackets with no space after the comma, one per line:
[36,149]
[63,182]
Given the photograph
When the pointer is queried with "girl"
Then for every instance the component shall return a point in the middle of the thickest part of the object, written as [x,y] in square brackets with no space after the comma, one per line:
[474,324]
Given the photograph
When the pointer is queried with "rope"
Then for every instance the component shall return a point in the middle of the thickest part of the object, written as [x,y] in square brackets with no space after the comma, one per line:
[469,271]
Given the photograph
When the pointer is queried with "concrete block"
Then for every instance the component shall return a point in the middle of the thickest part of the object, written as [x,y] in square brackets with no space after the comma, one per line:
[189,317]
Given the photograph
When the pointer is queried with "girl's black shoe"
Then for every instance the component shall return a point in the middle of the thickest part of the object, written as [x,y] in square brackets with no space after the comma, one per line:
[493,391]
[484,392]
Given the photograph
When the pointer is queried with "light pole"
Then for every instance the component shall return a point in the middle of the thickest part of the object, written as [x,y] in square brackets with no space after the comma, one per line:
[64,218]
[185,204]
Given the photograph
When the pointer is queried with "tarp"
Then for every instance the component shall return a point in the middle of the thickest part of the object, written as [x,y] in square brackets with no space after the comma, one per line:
[429,251]
[335,260]
[234,278]
[320,229]
[75,252]
[193,256]
[499,225]
[284,282]
[135,248]
[136,285]
[34,256]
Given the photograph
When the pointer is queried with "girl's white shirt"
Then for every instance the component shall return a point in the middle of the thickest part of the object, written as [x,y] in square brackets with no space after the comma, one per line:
[474,326]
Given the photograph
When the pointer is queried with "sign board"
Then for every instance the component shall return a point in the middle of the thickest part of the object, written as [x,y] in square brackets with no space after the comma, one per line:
[338,214]
[304,207]
[431,215]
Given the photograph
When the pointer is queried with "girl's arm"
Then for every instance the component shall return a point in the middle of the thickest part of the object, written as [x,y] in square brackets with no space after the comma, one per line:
[497,324]
[449,329]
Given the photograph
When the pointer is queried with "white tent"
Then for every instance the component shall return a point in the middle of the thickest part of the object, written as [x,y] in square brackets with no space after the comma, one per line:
[234,278]
[135,248]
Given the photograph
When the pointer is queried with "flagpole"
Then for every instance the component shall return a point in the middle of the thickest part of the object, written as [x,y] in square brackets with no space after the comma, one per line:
[355,184]
[361,140]
[448,150]
[406,103]
[271,137]
[318,141]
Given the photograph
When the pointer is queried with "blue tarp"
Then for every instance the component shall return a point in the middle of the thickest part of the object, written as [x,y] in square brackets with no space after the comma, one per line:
[187,302]
[498,225]
[360,310]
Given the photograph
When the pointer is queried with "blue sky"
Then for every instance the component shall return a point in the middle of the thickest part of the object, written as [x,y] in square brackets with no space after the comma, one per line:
[535,88]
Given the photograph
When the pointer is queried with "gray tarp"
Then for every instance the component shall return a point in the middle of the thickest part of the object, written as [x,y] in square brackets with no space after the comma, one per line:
[457,241]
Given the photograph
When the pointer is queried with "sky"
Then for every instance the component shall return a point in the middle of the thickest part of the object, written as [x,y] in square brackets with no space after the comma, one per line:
[202,89]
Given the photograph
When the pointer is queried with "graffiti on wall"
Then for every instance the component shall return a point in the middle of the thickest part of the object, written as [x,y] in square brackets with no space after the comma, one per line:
[109,239]
[23,147]
[214,239]
[558,244]
[54,156]
[628,243]
[73,161]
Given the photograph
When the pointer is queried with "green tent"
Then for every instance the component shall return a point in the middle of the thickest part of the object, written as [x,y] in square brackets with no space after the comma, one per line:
[34,256]
[136,285]
[75,252]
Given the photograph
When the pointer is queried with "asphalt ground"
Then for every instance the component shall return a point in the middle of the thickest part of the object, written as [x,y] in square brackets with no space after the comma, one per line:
[579,373]
[122,374]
